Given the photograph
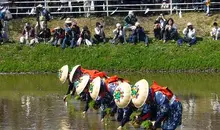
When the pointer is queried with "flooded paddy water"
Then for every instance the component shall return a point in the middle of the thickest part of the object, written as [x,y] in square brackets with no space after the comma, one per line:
[35,102]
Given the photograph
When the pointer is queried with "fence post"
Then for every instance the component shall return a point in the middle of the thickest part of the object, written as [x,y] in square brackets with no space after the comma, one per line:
[171,6]
[107,8]
[45,4]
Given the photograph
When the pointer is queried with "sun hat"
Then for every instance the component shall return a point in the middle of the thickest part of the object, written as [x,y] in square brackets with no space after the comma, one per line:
[139,93]
[118,25]
[73,71]
[81,83]
[94,88]
[122,95]
[189,24]
[63,73]
[68,20]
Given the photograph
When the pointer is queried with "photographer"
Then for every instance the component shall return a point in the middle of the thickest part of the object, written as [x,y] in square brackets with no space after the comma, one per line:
[99,33]
[170,31]
[118,32]
[189,35]
[160,22]
[58,35]
[28,35]
[85,37]
[138,35]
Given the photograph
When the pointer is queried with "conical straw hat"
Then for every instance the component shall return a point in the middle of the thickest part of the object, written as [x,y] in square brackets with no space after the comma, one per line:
[81,83]
[63,73]
[122,95]
[73,72]
[140,93]
[94,89]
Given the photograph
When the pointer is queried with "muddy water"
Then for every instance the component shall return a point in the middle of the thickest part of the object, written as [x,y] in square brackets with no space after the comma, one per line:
[30,102]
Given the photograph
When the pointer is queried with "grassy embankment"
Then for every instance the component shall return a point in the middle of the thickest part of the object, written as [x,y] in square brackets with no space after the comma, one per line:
[157,57]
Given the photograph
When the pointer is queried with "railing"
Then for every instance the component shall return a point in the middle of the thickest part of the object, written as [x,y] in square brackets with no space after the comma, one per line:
[107,6]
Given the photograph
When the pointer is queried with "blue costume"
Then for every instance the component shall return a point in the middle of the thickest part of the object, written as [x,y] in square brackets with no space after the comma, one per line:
[168,111]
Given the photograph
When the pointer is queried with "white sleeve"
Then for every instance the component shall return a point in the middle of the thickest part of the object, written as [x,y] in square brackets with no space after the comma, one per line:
[97,31]
[184,31]
[115,31]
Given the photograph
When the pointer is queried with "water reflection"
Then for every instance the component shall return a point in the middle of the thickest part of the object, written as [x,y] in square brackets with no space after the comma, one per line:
[37,103]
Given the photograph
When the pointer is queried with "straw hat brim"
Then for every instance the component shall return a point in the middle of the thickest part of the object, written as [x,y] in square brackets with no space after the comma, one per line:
[63,73]
[122,95]
[94,89]
[82,83]
[73,72]
[140,93]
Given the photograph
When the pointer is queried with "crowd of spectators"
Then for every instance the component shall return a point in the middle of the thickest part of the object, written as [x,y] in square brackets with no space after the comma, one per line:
[71,35]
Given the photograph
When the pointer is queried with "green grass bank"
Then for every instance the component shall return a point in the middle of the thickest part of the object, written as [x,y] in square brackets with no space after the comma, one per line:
[160,57]
[157,57]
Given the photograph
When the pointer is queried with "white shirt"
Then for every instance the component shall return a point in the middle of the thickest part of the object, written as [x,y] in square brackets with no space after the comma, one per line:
[191,34]
[214,31]
[116,31]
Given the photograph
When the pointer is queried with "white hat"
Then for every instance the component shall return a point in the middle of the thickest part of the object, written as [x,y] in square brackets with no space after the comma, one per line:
[63,73]
[130,13]
[118,25]
[188,24]
[139,93]
[122,95]
[94,88]
[137,24]
[73,72]
[40,6]
[82,83]
[68,20]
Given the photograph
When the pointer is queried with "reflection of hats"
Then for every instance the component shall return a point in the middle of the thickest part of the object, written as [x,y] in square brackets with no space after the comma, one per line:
[81,83]
[63,73]
[137,24]
[39,6]
[73,71]
[122,95]
[139,93]
[68,20]
[95,88]
[189,24]
[118,25]
[130,13]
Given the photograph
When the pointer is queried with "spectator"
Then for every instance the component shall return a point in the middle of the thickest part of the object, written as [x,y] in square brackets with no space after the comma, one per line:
[157,30]
[170,31]
[207,7]
[189,35]
[215,33]
[43,16]
[162,22]
[76,31]
[85,37]
[44,34]
[28,35]
[69,36]
[165,4]
[5,16]
[57,36]
[119,36]
[99,33]
[130,21]
[138,35]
